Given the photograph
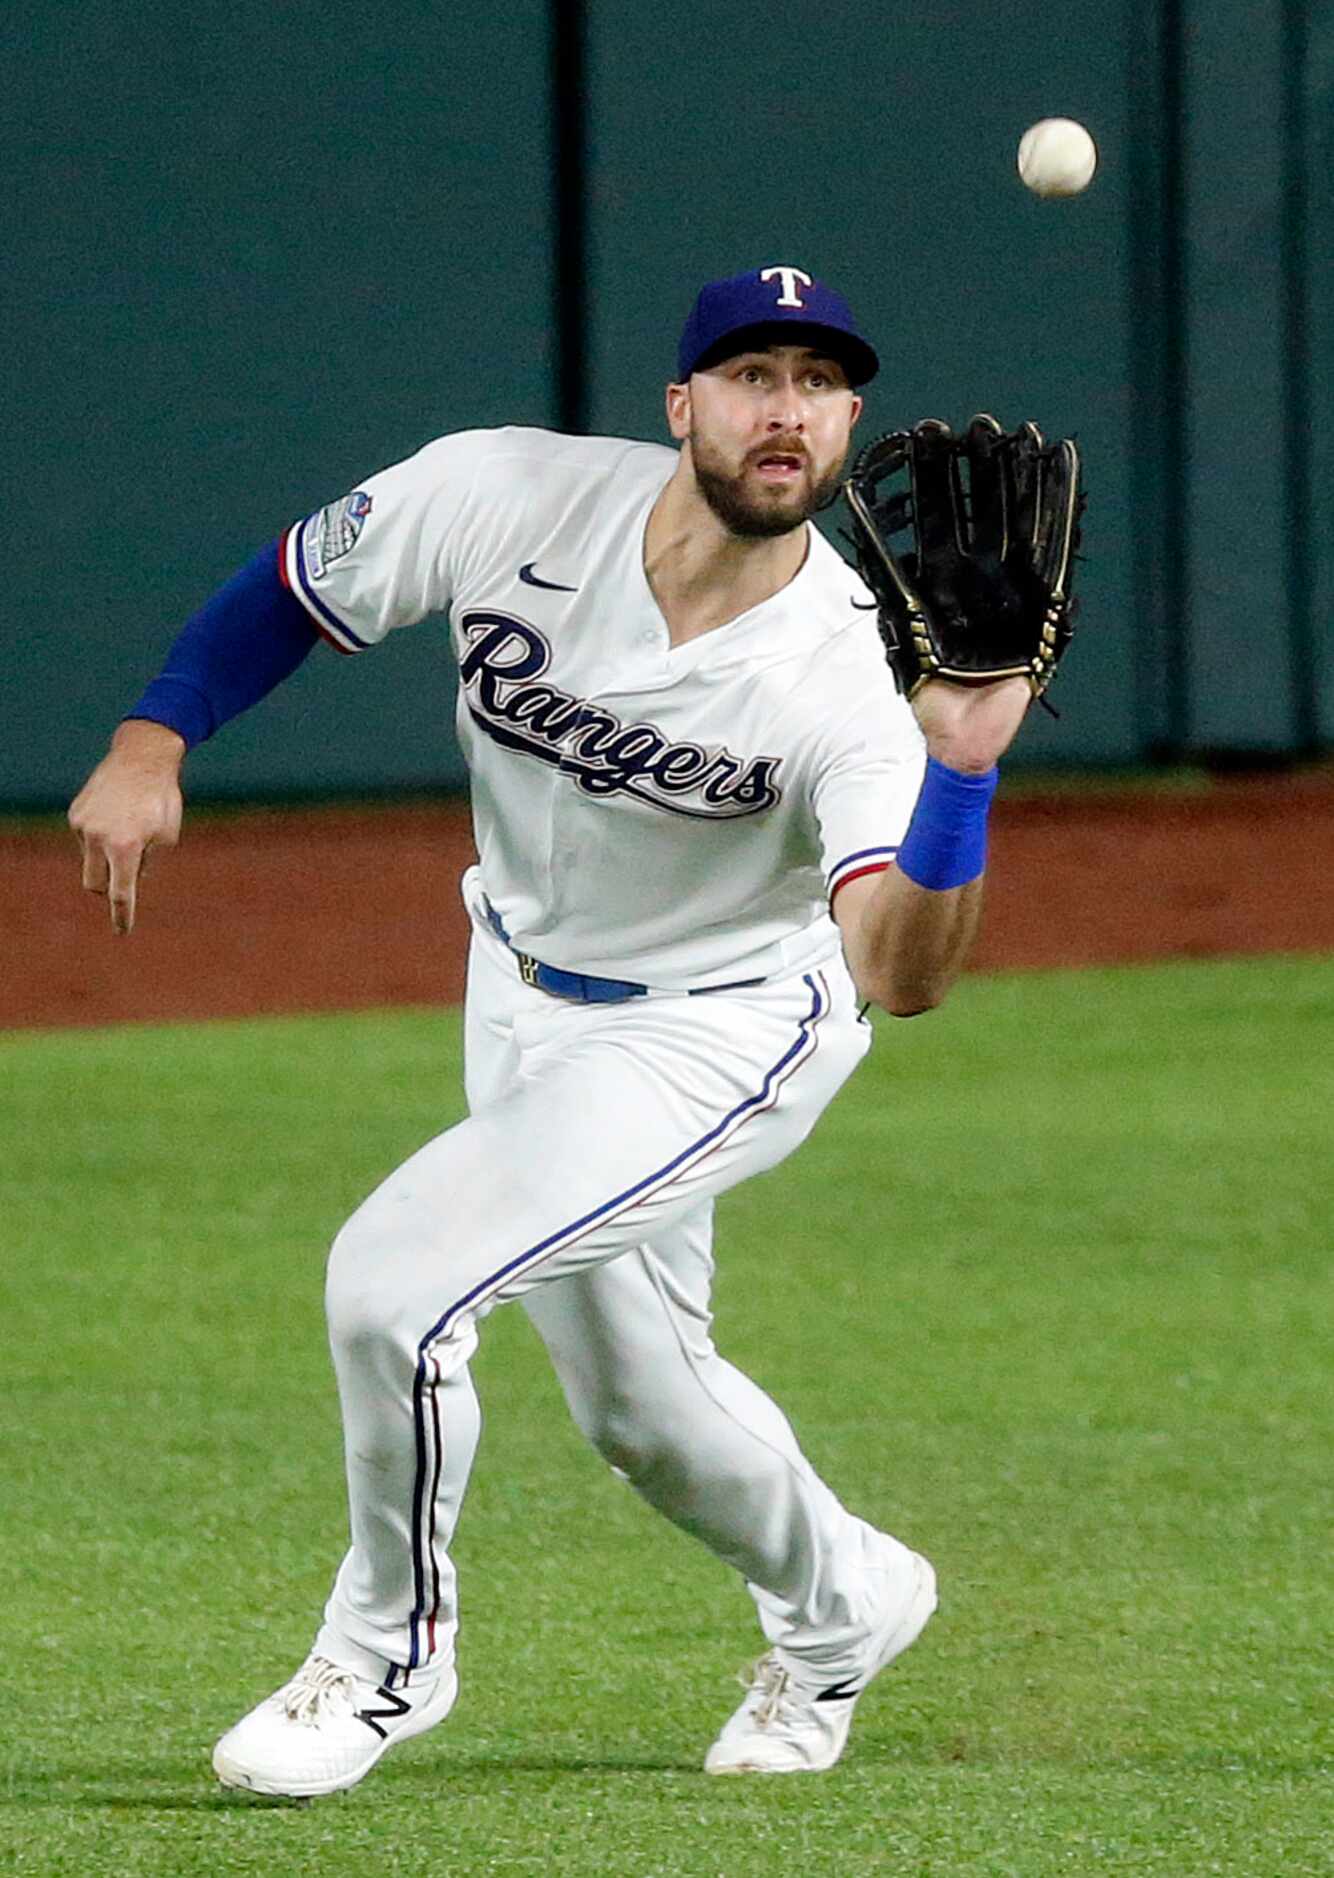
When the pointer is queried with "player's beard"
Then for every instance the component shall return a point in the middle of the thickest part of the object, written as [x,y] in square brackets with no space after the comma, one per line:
[754,518]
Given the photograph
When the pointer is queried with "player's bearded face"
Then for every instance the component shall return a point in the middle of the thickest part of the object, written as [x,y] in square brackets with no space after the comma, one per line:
[749,506]
[768,433]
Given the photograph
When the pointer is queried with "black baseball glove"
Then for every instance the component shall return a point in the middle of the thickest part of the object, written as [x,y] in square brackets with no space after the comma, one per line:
[968,546]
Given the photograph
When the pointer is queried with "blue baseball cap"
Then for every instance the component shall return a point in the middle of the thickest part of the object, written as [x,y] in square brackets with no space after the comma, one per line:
[772,306]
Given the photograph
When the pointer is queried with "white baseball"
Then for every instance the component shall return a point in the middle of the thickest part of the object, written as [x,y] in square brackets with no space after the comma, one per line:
[1057,157]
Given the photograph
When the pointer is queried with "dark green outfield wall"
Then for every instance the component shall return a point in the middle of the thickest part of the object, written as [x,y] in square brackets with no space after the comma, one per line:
[265,248]
[254,258]
[1257,88]
[1314,84]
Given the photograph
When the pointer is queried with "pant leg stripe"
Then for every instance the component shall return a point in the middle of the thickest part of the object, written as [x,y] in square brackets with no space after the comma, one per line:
[424,1559]
[432,1554]
[418,1493]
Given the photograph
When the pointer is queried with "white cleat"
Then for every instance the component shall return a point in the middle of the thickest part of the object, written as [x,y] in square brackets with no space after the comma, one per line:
[324,1729]
[792,1723]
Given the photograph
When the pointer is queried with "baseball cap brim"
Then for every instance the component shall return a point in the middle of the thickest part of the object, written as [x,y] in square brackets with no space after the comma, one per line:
[857,358]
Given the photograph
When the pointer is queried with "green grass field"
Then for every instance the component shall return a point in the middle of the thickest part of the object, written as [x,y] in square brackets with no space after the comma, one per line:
[1049,1293]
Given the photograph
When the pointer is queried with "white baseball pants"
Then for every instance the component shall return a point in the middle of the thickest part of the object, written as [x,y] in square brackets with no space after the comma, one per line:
[583,1182]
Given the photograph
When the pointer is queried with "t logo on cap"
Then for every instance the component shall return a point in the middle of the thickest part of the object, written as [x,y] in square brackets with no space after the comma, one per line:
[769,306]
[789,277]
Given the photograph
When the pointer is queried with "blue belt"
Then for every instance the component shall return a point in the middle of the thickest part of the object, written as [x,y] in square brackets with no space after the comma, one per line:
[582,987]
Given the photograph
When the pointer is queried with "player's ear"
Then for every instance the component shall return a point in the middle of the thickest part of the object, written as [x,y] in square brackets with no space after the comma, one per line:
[858,406]
[678,411]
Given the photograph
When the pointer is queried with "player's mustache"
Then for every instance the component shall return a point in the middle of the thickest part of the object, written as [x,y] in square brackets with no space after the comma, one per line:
[779,446]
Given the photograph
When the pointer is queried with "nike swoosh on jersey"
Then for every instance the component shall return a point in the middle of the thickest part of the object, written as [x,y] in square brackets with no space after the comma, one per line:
[530,579]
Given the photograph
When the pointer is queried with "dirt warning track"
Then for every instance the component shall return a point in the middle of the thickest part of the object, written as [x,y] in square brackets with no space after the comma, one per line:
[312,909]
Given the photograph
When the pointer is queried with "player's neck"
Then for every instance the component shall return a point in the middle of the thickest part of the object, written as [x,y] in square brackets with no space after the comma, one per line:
[700,573]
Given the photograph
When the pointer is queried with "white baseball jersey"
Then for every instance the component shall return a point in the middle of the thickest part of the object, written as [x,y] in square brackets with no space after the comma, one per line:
[674,816]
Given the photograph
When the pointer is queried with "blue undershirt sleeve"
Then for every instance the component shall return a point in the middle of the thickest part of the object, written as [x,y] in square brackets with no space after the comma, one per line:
[242,643]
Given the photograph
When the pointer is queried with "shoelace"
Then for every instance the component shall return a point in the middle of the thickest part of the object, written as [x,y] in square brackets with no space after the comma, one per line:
[771,1682]
[319,1688]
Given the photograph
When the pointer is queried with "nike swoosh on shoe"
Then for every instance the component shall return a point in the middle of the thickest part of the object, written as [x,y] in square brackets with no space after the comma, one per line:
[841,1691]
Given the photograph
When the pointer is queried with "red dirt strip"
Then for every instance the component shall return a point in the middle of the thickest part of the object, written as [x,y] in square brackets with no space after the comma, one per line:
[314,909]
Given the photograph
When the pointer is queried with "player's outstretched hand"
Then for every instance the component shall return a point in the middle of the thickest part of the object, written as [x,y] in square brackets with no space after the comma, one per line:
[130,803]
[970,727]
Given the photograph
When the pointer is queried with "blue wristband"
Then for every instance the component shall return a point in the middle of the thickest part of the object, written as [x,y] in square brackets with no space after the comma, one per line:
[251,635]
[946,842]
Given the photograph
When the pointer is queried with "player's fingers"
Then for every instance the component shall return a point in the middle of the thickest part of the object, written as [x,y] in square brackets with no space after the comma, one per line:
[94,865]
[125,860]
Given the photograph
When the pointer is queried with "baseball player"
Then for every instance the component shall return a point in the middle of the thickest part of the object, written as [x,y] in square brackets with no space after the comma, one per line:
[709,832]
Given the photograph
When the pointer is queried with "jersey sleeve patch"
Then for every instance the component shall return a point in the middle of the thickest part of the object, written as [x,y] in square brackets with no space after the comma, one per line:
[306,558]
[853,866]
[333,532]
